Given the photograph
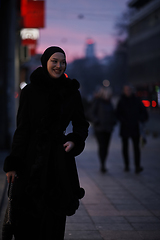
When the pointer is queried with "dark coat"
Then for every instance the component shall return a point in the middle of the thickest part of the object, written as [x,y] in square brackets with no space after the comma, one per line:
[130,112]
[102,115]
[48,174]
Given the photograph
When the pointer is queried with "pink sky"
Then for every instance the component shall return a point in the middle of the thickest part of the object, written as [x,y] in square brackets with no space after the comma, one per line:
[70,23]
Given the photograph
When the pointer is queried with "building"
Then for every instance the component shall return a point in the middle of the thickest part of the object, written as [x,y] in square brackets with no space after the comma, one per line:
[9,68]
[90,49]
[144,48]
[14,16]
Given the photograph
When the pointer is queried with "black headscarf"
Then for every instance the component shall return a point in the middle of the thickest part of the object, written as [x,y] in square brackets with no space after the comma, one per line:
[47,54]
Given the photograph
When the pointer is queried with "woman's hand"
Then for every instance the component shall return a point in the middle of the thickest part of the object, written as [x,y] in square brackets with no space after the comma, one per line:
[68,146]
[11,176]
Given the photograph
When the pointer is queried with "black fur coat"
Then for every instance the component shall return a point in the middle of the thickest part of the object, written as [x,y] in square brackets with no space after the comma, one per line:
[47,174]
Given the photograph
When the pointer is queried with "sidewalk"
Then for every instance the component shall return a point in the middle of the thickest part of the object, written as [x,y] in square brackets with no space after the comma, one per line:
[118,205]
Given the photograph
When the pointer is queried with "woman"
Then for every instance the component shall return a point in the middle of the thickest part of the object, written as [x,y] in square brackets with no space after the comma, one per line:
[103,118]
[46,188]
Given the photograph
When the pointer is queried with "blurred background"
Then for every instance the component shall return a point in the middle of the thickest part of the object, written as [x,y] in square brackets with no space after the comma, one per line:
[109,43]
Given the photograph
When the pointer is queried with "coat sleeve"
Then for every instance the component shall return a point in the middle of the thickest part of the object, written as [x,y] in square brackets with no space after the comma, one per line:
[120,112]
[80,127]
[14,162]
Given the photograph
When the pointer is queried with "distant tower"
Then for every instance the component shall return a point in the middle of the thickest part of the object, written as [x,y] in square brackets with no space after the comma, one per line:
[90,53]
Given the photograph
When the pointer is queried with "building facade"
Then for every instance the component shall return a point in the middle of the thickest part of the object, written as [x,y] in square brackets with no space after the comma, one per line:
[9,68]
[14,15]
[144,47]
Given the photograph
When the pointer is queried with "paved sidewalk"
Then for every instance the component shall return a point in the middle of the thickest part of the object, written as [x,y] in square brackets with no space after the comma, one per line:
[118,205]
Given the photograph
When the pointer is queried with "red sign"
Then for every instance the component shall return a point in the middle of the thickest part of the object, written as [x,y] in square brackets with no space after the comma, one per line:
[32,13]
[31,45]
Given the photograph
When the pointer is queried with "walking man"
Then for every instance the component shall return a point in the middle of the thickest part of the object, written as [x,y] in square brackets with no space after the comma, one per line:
[131,112]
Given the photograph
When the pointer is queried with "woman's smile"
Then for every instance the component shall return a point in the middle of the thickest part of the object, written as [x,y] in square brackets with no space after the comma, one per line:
[56,65]
[57,71]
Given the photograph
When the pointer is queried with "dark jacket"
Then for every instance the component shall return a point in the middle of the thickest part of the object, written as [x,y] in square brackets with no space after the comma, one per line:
[102,115]
[130,112]
[46,171]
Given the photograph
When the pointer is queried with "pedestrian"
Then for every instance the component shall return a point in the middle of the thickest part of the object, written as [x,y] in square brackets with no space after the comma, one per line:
[131,113]
[103,117]
[47,187]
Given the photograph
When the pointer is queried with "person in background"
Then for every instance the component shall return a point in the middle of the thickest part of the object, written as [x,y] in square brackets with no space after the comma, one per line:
[130,113]
[103,118]
[41,164]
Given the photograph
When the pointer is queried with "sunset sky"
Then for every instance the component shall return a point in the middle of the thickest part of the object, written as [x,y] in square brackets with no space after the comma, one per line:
[69,23]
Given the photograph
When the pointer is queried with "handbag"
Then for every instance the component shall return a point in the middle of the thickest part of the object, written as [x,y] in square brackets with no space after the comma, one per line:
[7,227]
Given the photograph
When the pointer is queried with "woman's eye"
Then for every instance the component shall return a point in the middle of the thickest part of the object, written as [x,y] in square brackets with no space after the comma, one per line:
[54,61]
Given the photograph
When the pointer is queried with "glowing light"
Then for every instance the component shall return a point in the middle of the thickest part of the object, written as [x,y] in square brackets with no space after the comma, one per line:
[154,104]
[32,13]
[29,33]
[146,103]
[22,85]
[16,94]
[106,83]
[66,75]
[89,41]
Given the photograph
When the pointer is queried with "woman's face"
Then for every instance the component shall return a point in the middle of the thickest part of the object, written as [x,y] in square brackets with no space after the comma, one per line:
[56,65]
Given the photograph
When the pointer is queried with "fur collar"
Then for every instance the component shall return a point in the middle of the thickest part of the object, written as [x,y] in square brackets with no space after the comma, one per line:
[39,78]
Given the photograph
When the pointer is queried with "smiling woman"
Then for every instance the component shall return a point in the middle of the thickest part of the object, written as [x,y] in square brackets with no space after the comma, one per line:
[47,187]
[56,65]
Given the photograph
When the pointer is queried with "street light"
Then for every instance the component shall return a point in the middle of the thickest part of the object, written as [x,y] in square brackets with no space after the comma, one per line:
[106,83]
